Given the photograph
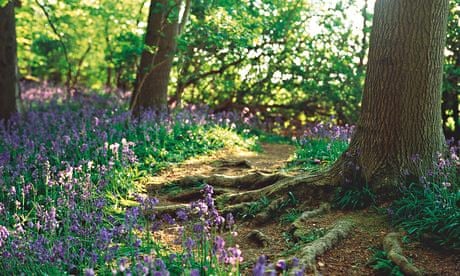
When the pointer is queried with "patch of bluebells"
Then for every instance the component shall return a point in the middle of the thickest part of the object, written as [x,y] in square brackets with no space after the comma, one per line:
[206,239]
[429,206]
[263,267]
[64,164]
[328,131]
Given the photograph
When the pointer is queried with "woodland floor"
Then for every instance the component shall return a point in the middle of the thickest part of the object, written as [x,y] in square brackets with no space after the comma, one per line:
[349,257]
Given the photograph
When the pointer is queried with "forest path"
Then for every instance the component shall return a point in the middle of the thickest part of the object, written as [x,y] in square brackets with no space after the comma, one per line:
[229,161]
[349,257]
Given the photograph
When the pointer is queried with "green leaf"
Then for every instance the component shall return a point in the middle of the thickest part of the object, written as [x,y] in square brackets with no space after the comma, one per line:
[3,3]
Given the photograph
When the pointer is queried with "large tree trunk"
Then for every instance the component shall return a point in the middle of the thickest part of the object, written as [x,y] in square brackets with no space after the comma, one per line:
[151,88]
[401,108]
[8,62]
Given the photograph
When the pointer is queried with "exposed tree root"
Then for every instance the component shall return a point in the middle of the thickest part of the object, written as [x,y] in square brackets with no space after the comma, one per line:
[298,226]
[237,193]
[193,194]
[394,253]
[251,181]
[258,238]
[166,209]
[308,188]
[318,247]
[267,215]
[234,164]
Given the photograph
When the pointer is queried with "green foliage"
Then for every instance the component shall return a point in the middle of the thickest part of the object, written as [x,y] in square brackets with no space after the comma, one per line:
[383,265]
[431,211]
[354,197]
[264,204]
[313,235]
[270,137]
[3,3]
[318,153]
[229,50]
[276,61]
[256,207]
[111,30]
[301,60]
[290,216]
[451,85]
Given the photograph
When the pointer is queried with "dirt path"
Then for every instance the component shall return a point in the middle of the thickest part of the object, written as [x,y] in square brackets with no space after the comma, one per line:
[349,257]
[272,158]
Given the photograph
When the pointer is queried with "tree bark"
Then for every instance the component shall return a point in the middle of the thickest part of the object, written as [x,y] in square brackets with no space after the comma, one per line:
[401,107]
[8,62]
[151,87]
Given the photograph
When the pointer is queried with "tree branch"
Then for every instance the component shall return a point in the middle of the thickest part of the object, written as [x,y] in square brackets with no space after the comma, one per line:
[61,41]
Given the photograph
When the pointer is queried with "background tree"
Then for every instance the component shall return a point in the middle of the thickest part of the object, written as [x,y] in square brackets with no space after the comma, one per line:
[151,88]
[8,60]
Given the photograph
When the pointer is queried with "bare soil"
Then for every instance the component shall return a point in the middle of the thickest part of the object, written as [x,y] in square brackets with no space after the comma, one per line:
[349,257]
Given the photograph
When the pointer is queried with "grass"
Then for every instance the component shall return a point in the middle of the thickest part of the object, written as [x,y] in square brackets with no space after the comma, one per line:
[317,153]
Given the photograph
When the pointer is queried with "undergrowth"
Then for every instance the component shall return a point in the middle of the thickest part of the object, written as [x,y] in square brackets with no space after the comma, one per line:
[353,198]
[69,175]
[320,146]
[430,213]
[429,209]
[382,265]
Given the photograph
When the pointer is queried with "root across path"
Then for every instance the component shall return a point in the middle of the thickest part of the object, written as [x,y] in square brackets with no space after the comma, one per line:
[285,214]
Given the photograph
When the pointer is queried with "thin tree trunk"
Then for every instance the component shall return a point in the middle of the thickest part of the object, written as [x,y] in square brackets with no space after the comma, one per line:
[401,108]
[109,58]
[108,81]
[8,62]
[153,76]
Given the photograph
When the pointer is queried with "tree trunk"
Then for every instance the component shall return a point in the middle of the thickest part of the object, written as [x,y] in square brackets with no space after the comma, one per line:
[401,108]
[8,62]
[151,88]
